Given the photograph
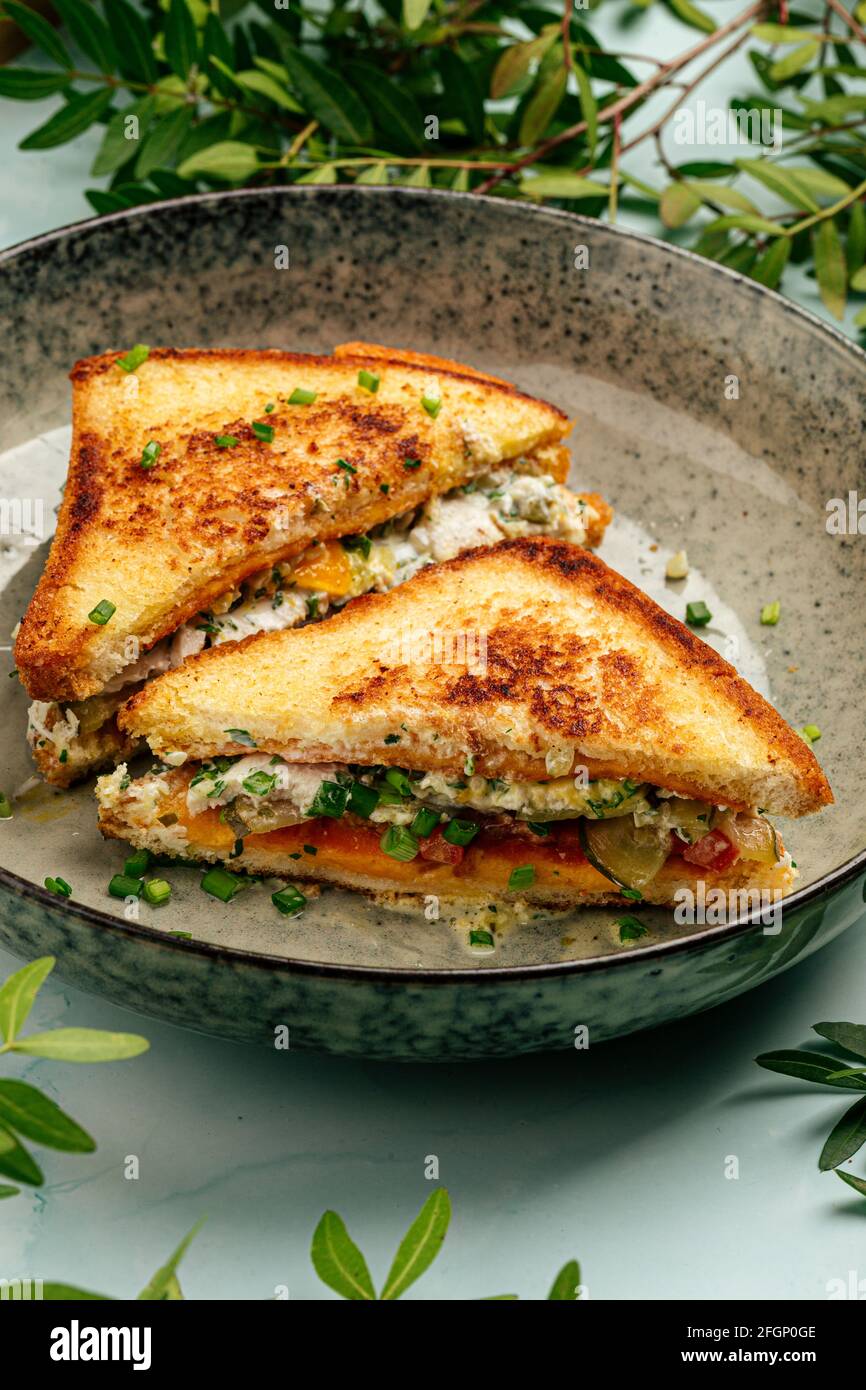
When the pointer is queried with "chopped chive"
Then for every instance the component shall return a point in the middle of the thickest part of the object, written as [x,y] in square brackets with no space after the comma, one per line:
[631,928]
[346,467]
[770,613]
[392,738]
[123,886]
[396,778]
[369,381]
[363,800]
[134,358]
[432,404]
[313,606]
[399,843]
[538,827]
[330,800]
[289,900]
[263,432]
[156,892]
[226,441]
[260,783]
[310,849]
[301,397]
[219,883]
[812,732]
[634,893]
[241,736]
[385,487]
[425,822]
[411,463]
[150,453]
[137,864]
[269,407]
[481,940]
[5,806]
[521,877]
[104,610]
[181,935]
[460,832]
[58,886]
[697,614]
[362,543]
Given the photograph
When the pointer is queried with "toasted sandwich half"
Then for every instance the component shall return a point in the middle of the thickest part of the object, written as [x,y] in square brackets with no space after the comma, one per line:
[213,494]
[518,722]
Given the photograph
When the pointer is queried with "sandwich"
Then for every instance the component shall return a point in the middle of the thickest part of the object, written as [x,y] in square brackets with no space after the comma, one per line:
[519,722]
[214,494]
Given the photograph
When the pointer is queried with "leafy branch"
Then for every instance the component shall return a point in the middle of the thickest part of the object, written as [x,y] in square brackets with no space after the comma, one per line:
[848,1135]
[25,1113]
[460,94]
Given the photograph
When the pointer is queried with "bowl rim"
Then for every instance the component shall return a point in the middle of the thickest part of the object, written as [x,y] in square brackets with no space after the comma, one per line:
[825,888]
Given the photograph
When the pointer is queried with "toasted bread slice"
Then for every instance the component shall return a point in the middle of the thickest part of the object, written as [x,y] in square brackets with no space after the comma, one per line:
[516,656]
[348,854]
[160,542]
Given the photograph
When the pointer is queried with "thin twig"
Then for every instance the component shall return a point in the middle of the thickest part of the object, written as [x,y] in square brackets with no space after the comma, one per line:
[848,19]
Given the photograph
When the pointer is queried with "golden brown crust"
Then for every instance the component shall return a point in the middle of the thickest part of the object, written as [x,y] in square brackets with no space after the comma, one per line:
[576,658]
[161,543]
[416,359]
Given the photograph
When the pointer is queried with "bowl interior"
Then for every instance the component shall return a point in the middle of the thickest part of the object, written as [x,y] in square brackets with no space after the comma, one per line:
[712,415]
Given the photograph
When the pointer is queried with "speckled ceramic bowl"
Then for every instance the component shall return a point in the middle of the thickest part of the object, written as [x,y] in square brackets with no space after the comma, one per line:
[712,413]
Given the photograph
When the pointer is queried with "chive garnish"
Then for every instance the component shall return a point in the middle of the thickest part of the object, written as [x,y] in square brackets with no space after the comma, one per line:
[226,441]
[697,614]
[385,487]
[369,381]
[241,736]
[770,613]
[137,864]
[5,806]
[631,928]
[263,432]
[123,886]
[260,783]
[399,843]
[102,612]
[521,877]
[812,732]
[150,453]
[301,397]
[290,901]
[269,407]
[346,467]
[362,543]
[219,883]
[58,886]
[330,800]
[310,849]
[396,778]
[425,822]
[134,358]
[538,827]
[411,463]
[481,939]
[432,404]
[460,832]
[363,800]
[156,892]
[634,893]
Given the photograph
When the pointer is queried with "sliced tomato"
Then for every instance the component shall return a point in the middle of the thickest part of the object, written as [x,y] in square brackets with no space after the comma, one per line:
[713,851]
[440,850]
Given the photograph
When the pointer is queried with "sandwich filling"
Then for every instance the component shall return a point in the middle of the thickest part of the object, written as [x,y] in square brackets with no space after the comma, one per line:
[627,832]
[506,502]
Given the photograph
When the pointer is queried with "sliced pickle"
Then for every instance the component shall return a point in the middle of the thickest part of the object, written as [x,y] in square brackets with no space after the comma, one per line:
[753,836]
[628,854]
[691,819]
[608,798]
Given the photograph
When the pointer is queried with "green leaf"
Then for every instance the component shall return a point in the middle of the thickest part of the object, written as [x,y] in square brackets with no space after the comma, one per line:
[420,1245]
[70,1293]
[116,149]
[228,159]
[542,106]
[395,112]
[850,1036]
[691,15]
[338,1261]
[588,108]
[29,1112]
[419,177]
[745,222]
[264,84]
[16,1162]
[808,1066]
[858,1184]
[780,33]
[82,1045]
[217,44]
[565,1285]
[678,203]
[163,141]
[323,173]
[18,993]
[560,184]
[819,183]
[463,93]
[415,12]
[855,253]
[163,1286]
[515,61]
[794,61]
[31,84]
[76,116]
[39,32]
[781,181]
[181,39]
[858,280]
[845,1138]
[132,40]
[768,269]
[329,98]
[722,194]
[7,1191]
[104,202]
[830,269]
[89,31]
[376,174]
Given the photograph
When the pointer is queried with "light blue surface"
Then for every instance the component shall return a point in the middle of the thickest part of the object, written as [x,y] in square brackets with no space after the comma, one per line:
[616,1156]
